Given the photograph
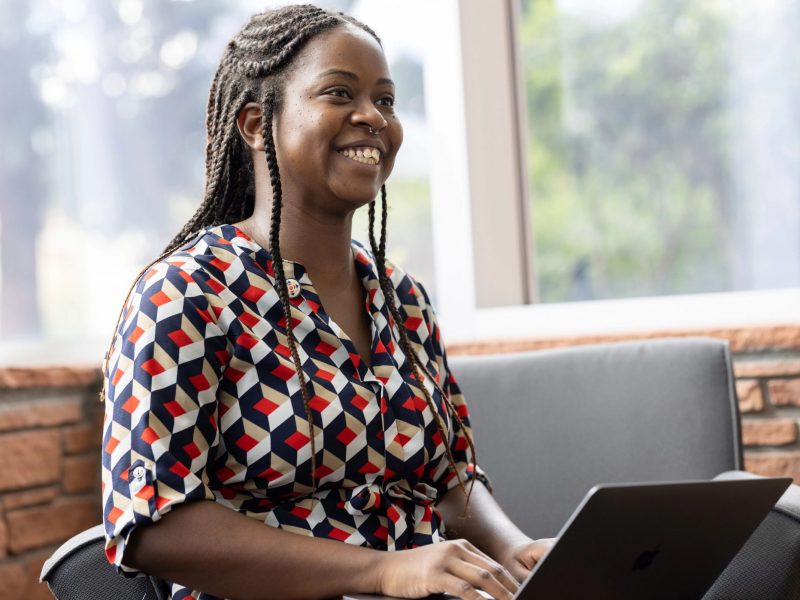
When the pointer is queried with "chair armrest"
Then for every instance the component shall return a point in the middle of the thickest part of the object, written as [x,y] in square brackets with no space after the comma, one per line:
[72,545]
[78,570]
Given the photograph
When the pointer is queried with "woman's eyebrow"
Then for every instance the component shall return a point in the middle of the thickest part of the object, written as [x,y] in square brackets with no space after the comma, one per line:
[353,76]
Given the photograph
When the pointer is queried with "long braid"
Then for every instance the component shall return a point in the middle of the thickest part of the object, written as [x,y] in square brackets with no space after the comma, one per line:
[252,68]
[379,251]
[277,265]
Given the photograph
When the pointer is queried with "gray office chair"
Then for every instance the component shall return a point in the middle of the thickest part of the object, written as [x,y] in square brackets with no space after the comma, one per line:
[550,425]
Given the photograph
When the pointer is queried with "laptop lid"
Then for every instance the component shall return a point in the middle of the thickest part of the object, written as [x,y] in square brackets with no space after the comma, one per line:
[664,540]
[660,540]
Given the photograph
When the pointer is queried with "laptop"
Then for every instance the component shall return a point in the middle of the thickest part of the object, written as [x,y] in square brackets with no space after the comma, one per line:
[655,541]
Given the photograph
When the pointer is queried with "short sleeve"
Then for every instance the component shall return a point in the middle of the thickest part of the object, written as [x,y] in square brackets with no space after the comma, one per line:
[160,428]
[444,477]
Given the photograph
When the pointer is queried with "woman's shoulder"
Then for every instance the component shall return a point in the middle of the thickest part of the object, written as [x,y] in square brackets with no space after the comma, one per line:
[193,263]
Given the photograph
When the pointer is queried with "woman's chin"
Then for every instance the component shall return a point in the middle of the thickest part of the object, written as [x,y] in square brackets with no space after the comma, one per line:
[361,196]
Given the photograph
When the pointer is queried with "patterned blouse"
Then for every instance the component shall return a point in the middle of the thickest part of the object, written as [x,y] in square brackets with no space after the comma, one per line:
[203,402]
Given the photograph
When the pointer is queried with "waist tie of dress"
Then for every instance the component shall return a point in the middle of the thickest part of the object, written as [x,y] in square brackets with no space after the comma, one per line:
[410,514]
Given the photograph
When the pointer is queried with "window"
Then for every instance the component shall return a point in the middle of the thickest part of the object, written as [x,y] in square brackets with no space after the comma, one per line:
[559,238]
[663,146]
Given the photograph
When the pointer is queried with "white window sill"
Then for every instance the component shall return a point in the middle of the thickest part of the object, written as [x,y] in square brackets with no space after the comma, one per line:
[629,316]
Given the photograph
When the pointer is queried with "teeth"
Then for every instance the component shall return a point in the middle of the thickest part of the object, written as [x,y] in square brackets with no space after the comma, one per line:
[366,155]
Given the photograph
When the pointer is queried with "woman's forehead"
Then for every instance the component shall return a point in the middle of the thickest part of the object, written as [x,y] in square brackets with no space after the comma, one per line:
[345,48]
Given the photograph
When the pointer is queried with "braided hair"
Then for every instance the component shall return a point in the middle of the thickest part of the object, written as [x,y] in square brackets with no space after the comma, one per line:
[253,69]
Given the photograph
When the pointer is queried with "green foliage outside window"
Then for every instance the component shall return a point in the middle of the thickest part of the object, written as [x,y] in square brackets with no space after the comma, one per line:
[628,156]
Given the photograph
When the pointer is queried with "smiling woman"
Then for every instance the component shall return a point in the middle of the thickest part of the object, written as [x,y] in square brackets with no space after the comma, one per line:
[273,387]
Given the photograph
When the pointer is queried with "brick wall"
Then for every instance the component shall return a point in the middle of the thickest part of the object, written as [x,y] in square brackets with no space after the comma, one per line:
[50,423]
[769,397]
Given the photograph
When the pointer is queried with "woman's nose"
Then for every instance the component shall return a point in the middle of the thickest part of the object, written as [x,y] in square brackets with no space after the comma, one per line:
[367,115]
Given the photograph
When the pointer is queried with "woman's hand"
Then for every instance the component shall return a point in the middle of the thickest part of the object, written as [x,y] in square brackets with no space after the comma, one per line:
[454,567]
[519,559]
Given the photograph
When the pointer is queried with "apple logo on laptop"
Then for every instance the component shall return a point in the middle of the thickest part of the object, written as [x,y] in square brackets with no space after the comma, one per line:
[645,559]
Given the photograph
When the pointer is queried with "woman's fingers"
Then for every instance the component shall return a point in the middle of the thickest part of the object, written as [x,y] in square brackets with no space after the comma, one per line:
[460,588]
[520,572]
[484,576]
[474,556]
[455,567]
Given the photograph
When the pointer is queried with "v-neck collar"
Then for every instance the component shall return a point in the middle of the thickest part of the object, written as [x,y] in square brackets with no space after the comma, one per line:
[386,355]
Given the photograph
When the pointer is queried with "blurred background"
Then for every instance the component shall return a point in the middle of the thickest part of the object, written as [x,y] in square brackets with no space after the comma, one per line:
[661,147]
[102,120]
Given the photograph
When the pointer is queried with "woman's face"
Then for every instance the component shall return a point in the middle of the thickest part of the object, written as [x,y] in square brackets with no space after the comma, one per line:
[337,87]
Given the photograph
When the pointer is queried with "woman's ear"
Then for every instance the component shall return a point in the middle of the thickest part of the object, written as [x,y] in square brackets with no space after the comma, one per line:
[249,123]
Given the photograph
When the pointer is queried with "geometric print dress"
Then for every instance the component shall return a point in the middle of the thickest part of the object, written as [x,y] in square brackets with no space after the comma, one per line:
[203,403]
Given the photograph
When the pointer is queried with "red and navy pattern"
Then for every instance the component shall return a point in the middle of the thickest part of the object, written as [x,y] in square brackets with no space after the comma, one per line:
[203,402]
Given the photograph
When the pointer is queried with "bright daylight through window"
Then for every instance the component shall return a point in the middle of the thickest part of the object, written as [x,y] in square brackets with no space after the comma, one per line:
[103,136]
[663,145]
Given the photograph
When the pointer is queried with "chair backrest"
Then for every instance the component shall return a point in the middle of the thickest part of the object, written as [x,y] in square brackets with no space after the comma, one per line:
[78,570]
[549,425]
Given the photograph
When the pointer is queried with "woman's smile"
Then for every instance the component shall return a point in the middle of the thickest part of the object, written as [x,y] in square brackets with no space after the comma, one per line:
[365,155]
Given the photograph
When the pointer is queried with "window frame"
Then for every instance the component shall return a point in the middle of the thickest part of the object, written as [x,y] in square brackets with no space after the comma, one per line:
[484,254]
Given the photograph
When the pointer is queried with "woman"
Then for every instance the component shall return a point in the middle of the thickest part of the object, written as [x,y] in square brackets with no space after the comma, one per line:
[258,364]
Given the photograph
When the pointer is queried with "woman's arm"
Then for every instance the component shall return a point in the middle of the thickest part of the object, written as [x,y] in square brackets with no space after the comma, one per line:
[485,524]
[212,548]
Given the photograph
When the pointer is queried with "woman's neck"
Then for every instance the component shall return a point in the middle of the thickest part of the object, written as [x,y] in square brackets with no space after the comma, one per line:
[319,242]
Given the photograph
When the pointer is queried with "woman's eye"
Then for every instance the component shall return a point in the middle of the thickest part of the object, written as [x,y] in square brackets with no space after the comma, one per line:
[338,92]
[386,101]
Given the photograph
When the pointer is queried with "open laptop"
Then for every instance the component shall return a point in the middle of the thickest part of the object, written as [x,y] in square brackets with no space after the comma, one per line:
[654,541]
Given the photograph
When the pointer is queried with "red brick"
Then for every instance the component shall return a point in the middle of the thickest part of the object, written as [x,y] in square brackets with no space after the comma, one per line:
[785,392]
[29,458]
[37,591]
[769,432]
[33,568]
[82,438]
[30,528]
[13,581]
[3,538]
[743,339]
[30,497]
[751,398]
[754,339]
[40,414]
[786,367]
[774,464]
[81,473]
[49,377]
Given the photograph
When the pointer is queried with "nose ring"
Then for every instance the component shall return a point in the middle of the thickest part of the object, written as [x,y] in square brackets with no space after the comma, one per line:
[376,131]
